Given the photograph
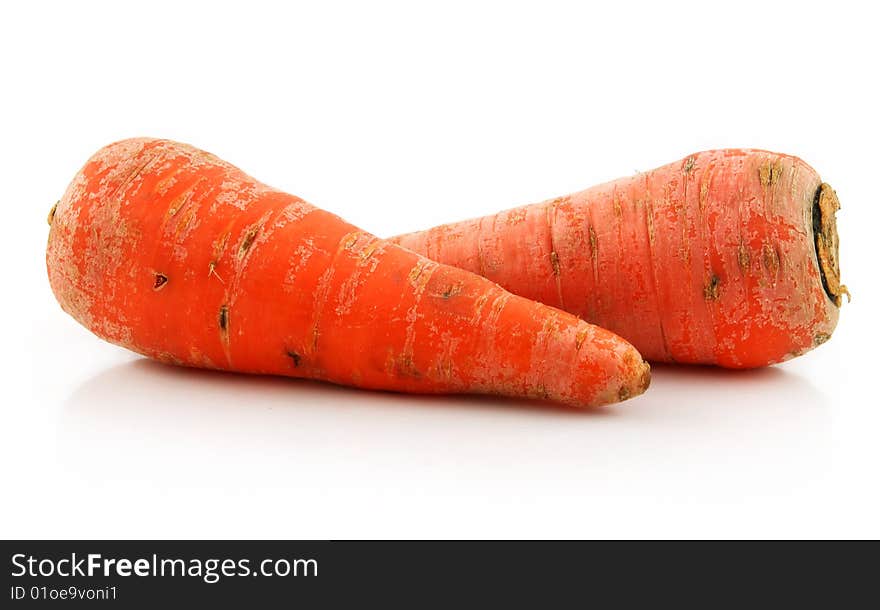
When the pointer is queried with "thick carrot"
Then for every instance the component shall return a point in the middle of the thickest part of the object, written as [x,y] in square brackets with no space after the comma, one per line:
[727,257]
[170,252]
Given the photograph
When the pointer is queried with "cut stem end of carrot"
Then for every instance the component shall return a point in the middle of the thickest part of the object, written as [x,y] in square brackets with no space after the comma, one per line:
[825,207]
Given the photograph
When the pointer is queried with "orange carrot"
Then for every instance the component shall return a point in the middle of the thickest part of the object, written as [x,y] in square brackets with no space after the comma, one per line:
[170,252]
[727,257]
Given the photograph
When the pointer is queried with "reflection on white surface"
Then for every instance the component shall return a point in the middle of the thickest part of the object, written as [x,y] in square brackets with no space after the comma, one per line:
[319,449]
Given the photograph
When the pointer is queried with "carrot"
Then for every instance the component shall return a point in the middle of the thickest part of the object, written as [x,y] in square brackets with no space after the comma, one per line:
[727,257]
[175,254]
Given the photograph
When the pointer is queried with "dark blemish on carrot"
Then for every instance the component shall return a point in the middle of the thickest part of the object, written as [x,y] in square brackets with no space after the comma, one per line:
[770,258]
[579,340]
[295,357]
[541,392]
[247,242]
[820,338]
[645,379]
[554,262]
[743,258]
[351,241]
[223,318]
[689,164]
[51,216]
[712,290]
[451,291]
[623,393]
[769,174]
[160,281]
[406,367]
[594,243]
[415,272]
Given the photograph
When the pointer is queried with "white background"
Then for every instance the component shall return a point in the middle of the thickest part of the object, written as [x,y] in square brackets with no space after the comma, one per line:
[399,116]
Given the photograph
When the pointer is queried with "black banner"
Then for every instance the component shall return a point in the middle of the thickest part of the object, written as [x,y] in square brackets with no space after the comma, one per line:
[321,574]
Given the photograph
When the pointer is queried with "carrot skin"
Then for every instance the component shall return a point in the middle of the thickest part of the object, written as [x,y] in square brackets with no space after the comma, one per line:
[175,254]
[710,260]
